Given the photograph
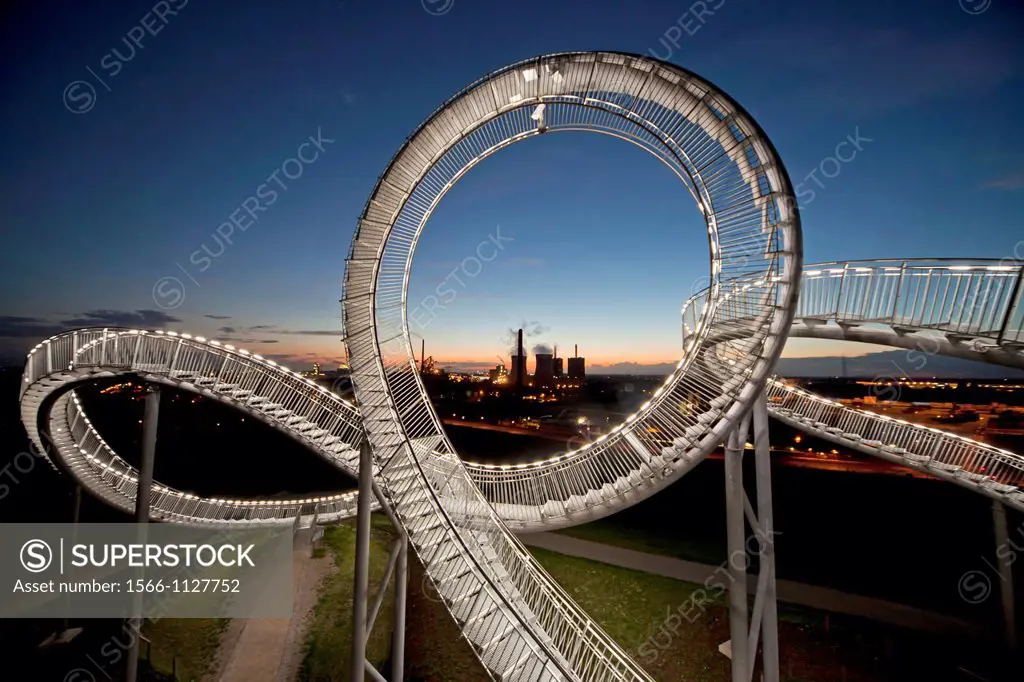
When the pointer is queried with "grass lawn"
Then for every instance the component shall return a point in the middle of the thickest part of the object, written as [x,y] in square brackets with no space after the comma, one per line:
[435,650]
[329,640]
[635,608]
[632,607]
[609,531]
[193,641]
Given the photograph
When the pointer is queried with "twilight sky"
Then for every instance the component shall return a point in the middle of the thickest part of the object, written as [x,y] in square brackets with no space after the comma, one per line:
[122,158]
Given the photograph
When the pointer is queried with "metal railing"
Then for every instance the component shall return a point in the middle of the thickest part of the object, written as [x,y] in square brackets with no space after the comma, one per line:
[916,445]
[316,417]
[1000,473]
[974,298]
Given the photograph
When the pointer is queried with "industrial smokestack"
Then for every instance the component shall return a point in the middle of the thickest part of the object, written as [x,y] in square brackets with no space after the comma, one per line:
[423,352]
[576,350]
[521,375]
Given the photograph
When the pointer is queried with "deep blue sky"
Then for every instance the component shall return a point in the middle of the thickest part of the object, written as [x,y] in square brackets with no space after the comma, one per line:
[98,206]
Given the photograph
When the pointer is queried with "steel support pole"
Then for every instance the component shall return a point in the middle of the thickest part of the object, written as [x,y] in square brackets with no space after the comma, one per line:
[142,499]
[362,568]
[737,559]
[378,599]
[76,510]
[769,617]
[145,487]
[401,591]
[1005,574]
[76,505]
[1012,304]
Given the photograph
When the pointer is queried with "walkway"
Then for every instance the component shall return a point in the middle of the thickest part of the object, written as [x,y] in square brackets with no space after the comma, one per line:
[822,598]
[270,649]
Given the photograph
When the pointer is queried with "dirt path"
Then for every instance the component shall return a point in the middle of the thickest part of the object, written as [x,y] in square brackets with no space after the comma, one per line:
[270,649]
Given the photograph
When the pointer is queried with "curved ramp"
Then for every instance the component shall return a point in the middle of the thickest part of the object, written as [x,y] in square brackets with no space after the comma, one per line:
[52,413]
[966,308]
[982,468]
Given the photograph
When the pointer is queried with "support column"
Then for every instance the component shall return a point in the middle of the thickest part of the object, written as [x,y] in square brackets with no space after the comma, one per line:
[401,591]
[757,628]
[769,617]
[362,568]
[76,510]
[76,506]
[145,488]
[735,531]
[1005,574]
[142,499]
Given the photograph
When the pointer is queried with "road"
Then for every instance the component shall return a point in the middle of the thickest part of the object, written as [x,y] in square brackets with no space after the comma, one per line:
[512,430]
[864,465]
[858,464]
[822,598]
[925,416]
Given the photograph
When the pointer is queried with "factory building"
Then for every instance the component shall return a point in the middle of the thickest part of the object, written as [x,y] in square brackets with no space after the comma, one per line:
[557,367]
[498,375]
[577,365]
[544,372]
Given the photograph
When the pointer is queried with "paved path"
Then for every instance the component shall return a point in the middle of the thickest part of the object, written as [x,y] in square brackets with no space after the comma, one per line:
[270,649]
[822,598]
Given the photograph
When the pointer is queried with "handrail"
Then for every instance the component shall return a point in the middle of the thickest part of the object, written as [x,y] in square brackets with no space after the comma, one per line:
[993,471]
[967,297]
[330,425]
[997,464]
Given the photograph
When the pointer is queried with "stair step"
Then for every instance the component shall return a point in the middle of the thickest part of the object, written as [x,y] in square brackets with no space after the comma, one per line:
[505,654]
[487,631]
[460,587]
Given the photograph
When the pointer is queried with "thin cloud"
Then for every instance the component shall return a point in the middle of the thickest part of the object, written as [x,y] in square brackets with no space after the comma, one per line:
[632,368]
[241,339]
[274,329]
[218,317]
[38,328]
[1010,183]
[17,327]
[122,318]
